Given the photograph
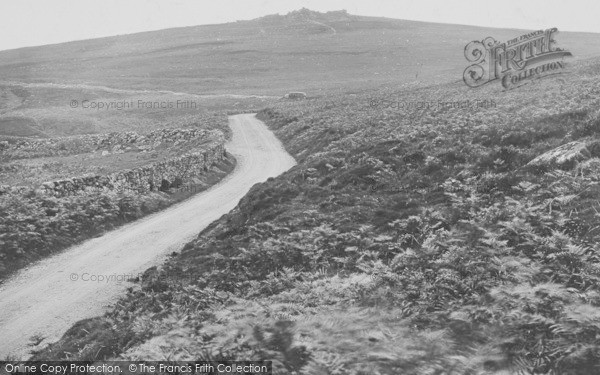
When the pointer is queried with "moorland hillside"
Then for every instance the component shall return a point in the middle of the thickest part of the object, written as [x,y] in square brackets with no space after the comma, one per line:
[410,238]
[301,51]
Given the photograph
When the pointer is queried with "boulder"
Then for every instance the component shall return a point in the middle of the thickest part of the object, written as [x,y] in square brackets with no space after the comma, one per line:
[566,156]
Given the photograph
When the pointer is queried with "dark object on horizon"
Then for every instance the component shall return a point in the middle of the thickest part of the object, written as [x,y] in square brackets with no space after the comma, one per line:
[295,95]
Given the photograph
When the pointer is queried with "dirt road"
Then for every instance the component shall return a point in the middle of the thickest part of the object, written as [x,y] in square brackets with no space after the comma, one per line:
[48,297]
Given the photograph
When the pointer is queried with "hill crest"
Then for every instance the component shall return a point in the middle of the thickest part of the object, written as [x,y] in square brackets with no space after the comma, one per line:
[305,14]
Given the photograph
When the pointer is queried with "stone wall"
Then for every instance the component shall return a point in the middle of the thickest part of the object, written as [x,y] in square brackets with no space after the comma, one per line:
[152,177]
[20,148]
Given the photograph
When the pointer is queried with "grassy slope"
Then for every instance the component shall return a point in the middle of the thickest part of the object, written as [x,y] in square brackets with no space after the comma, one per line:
[267,56]
[34,111]
[271,55]
[403,242]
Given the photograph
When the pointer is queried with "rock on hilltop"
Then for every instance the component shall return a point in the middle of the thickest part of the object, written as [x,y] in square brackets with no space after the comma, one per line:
[305,14]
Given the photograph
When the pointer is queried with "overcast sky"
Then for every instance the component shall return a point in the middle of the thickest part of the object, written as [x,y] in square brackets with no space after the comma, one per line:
[36,22]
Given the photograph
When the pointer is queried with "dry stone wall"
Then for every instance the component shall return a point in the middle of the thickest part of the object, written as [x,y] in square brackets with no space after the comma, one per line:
[152,177]
[20,148]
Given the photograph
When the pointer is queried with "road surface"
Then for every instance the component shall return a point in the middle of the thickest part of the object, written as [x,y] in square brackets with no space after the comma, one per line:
[46,298]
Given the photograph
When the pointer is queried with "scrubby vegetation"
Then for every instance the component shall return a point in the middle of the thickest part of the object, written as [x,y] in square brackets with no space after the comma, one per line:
[34,225]
[405,241]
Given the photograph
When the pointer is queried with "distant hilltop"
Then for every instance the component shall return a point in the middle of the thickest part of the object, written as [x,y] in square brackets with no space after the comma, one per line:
[305,14]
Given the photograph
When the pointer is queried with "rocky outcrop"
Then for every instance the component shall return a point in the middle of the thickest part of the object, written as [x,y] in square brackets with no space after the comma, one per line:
[304,14]
[566,156]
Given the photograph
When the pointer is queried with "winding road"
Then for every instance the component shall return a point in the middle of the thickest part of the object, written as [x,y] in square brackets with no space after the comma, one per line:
[45,299]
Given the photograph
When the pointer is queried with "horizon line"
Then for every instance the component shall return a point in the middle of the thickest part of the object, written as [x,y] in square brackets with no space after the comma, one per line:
[278,14]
